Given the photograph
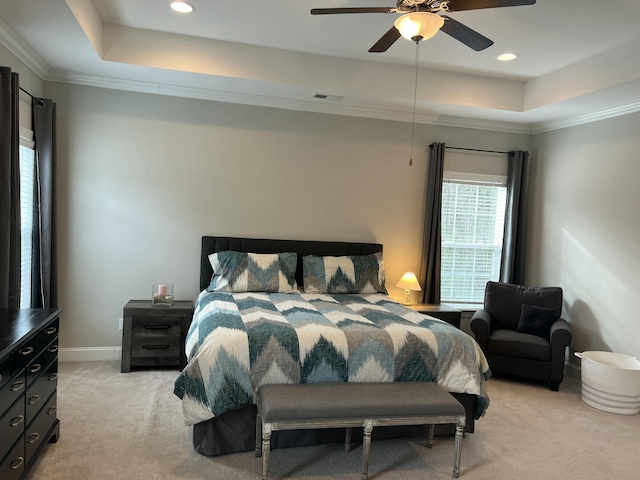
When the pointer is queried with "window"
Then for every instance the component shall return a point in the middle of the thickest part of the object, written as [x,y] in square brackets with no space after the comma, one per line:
[473,207]
[27,189]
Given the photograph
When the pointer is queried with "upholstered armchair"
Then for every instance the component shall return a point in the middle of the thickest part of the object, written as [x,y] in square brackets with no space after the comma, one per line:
[521,333]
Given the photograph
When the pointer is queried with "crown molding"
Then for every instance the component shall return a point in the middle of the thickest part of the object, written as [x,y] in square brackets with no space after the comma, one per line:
[310,105]
[25,54]
[587,118]
[482,124]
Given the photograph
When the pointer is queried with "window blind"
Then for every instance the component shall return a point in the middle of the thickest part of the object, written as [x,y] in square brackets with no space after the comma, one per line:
[27,191]
[472,233]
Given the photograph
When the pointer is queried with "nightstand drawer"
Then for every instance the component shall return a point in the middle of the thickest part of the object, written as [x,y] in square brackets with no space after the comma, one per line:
[143,327]
[168,346]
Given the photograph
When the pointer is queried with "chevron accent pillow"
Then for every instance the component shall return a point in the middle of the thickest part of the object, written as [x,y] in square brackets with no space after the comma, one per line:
[253,272]
[349,274]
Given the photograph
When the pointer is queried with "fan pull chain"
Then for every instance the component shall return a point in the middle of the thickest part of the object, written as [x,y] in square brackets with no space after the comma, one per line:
[415,95]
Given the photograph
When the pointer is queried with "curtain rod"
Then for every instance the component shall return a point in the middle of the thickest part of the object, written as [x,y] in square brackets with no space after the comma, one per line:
[39,100]
[475,150]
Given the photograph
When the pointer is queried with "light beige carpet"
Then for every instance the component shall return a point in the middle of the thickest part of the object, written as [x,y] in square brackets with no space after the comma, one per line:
[129,426]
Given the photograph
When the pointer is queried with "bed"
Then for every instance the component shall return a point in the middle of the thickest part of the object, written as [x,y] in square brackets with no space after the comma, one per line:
[341,327]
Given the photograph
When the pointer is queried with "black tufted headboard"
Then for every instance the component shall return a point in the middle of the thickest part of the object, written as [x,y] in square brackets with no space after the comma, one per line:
[301,247]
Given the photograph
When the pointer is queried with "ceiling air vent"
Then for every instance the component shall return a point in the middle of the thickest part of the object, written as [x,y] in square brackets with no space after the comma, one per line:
[324,96]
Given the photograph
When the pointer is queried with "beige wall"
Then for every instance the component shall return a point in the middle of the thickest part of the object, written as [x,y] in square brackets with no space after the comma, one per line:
[142,177]
[584,233]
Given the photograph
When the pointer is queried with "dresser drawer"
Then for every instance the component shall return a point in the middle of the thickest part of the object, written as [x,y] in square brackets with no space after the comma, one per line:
[47,355]
[41,390]
[17,360]
[11,426]
[37,432]
[11,391]
[48,333]
[12,467]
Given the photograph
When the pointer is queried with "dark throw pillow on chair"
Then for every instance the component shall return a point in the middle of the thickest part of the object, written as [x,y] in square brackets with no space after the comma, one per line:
[536,320]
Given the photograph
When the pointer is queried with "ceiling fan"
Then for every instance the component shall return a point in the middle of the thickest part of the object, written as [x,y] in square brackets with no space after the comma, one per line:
[426,12]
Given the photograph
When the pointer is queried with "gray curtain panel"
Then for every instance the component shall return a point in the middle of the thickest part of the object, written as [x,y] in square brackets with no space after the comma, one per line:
[430,265]
[515,221]
[44,267]
[9,190]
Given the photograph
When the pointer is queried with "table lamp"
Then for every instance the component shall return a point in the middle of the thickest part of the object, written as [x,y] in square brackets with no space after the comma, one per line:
[409,283]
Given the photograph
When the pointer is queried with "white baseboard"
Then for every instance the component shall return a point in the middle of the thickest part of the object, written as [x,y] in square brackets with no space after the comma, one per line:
[572,370]
[89,354]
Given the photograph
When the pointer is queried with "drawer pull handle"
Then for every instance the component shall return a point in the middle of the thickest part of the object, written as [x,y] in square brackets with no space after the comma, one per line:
[53,348]
[33,438]
[15,421]
[50,330]
[52,377]
[33,400]
[157,327]
[52,410]
[16,463]
[156,347]
[35,368]
[15,386]
[26,351]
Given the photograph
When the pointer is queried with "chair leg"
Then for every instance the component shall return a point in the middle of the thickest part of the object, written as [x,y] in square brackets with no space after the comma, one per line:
[554,386]
[430,437]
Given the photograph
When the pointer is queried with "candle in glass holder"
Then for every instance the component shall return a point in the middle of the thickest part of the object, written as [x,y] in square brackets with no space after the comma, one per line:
[162,290]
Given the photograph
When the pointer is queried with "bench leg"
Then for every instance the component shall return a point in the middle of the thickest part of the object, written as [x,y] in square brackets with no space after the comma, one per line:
[258,434]
[266,449]
[458,449]
[430,437]
[347,439]
[366,448]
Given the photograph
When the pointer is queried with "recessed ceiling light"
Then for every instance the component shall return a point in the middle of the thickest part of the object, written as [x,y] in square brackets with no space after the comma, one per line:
[182,7]
[507,57]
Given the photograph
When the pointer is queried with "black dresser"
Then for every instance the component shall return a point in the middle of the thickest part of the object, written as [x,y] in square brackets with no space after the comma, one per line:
[28,386]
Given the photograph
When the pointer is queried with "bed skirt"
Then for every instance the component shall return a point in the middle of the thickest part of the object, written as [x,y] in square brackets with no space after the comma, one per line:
[235,431]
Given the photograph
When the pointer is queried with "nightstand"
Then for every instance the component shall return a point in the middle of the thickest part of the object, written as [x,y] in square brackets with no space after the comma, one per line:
[440,311]
[154,335]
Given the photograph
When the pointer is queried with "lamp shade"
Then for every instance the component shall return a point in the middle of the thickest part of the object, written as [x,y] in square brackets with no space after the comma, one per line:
[418,26]
[409,282]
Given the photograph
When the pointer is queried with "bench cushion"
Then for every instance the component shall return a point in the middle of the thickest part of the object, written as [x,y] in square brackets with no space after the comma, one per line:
[308,401]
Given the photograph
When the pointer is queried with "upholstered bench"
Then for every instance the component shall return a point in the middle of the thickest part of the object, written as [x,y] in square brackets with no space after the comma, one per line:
[337,405]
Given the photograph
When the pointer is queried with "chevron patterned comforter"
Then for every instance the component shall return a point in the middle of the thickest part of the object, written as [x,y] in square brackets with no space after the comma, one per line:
[239,341]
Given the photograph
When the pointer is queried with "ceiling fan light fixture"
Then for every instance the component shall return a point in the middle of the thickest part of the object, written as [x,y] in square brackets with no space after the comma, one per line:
[182,7]
[416,26]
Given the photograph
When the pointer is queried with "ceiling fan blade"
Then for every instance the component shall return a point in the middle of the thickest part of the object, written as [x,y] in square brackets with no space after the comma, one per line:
[386,41]
[464,34]
[459,5]
[332,11]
